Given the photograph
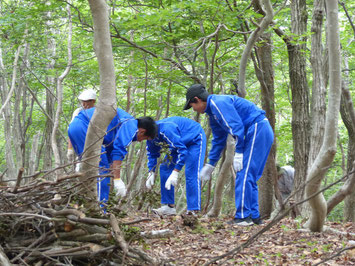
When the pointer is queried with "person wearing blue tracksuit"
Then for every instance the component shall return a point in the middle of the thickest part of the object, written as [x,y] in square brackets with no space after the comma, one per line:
[186,141]
[139,129]
[250,128]
[77,134]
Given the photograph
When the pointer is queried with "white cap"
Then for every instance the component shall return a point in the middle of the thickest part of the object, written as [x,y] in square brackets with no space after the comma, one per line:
[87,95]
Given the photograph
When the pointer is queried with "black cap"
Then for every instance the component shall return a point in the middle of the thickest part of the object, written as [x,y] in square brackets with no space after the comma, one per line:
[196,90]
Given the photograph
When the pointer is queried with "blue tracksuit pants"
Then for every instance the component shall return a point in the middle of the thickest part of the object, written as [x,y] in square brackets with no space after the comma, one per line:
[193,164]
[257,144]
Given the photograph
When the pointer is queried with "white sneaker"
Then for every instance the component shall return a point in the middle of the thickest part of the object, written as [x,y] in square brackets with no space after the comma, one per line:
[165,210]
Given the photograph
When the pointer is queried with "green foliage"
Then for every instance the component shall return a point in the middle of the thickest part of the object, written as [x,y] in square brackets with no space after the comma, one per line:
[130,232]
[158,46]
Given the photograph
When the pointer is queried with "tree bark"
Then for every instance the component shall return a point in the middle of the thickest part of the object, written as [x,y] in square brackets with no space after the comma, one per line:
[223,176]
[318,104]
[347,112]
[56,153]
[269,177]
[343,192]
[106,107]
[6,109]
[300,94]
[264,71]
[328,149]
[269,15]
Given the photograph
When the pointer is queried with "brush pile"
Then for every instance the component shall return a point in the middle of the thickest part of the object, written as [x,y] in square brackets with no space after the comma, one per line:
[43,223]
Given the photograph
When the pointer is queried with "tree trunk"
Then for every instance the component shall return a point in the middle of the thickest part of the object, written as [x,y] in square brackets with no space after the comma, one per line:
[318,104]
[50,99]
[223,176]
[6,110]
[269,15]
[347,112]
[266,78]
[56,153]
[328,149]
[300,93]
[106,107]
[264,71]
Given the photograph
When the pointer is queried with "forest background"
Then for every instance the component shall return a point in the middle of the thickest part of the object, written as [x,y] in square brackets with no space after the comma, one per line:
[275,54]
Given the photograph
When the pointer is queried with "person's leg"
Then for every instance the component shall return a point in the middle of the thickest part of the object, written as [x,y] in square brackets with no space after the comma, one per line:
[246,190]
[167,196]
[103,183]
[194,163]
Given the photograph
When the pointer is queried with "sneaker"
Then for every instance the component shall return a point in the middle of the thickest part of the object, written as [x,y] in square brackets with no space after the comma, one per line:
[257,221]
[165,210]
[193,213]
[241,222]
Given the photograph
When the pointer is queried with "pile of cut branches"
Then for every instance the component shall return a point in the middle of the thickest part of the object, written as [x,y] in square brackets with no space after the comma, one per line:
[43,223]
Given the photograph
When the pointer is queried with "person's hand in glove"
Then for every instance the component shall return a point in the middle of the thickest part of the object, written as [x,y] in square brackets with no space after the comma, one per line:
[172,180]
[238,161]
[150,180]
[206,172]
[119,187]
[70,154]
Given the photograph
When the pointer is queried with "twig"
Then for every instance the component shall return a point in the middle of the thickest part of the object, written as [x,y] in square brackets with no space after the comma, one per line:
[25,214]
[18,181]
[2,175]
[335,255]
[117,234]
[137,221]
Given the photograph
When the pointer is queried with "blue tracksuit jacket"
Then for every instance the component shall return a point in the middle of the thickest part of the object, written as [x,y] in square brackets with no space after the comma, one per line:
[125,134]
[77,134]
[186,141]
[248,125]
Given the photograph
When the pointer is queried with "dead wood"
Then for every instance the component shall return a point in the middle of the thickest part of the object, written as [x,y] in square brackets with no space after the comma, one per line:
[44,222]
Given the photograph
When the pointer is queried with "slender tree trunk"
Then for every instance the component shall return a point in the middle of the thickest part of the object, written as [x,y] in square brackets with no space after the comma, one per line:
[318,104]
[50,99]
[106,107]
[269,15]
[300,94]
[5,112]
[56,153]
[223,176]
[328,149]
[264,71]
[265,74]
[347,112]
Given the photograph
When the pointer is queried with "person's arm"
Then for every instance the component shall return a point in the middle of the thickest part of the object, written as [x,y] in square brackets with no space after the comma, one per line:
[229,120]
[119,186]
[218,142]
[123,139]
[153,153]
[116,169]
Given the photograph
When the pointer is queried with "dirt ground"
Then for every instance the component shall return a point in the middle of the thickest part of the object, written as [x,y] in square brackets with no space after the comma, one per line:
[286,243]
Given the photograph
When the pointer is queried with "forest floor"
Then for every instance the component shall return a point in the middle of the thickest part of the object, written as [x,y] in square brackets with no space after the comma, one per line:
[284,244]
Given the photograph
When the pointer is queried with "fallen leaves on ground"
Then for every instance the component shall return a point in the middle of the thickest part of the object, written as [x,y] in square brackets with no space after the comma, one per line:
[283,244]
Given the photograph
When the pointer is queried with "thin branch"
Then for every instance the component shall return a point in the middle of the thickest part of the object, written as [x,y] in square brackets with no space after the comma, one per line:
[348,16]
[13,81]
[335,255]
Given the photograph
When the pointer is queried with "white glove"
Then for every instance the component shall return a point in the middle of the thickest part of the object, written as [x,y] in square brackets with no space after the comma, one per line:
[70,155]
[150,180]
[238,161]
[172,180]
[119,187]
[206,172]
